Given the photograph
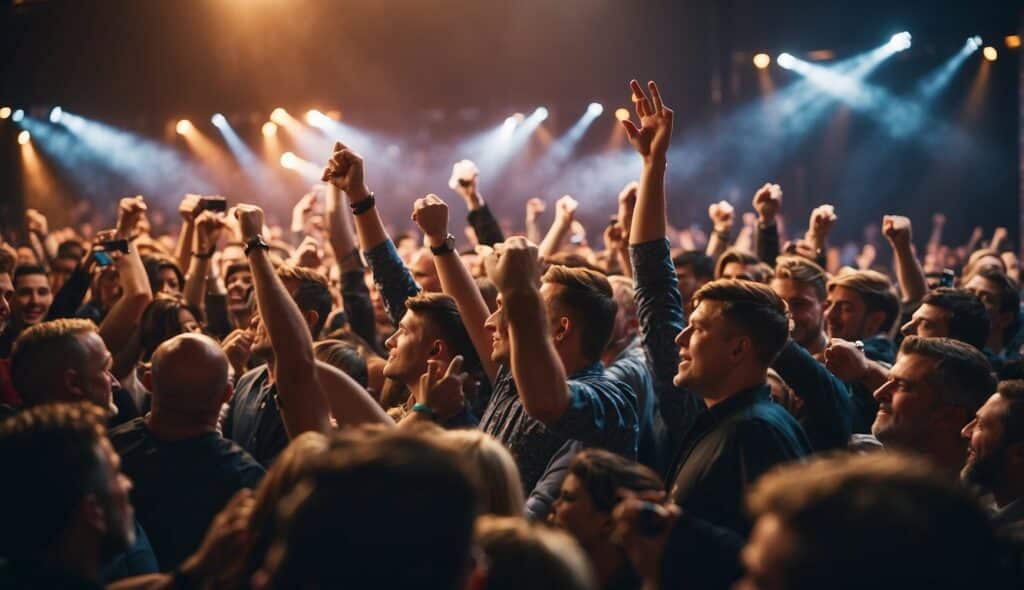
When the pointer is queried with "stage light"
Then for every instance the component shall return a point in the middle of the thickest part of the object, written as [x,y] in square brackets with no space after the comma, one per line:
[541,113]
[219,120]
[5,112]
[183,126]
[289,160]
[23,137]
[786,61]
[279,115]
[269,129]
[55,114]
[595,109]
[316,118]
[1012,41]
[18,116]
[762,61]
[621,113]
[990,53]
[900,41]
[974,42]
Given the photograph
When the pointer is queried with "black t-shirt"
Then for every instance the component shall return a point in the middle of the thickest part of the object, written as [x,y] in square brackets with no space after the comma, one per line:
[253,420]
[180,486]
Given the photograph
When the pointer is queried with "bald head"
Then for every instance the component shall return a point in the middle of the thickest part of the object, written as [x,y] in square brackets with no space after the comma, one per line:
[189,374]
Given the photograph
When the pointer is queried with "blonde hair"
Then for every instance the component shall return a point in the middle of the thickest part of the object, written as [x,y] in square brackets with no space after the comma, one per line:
[490,467]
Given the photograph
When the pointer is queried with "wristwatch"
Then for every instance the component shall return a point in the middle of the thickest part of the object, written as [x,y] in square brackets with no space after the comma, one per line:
[256,242]
[447,246]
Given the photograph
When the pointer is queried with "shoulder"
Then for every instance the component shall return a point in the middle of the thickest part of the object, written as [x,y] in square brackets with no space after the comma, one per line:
[251,379]
[130,437]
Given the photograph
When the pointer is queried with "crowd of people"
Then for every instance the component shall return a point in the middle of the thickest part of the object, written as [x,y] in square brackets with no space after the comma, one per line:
[232,405]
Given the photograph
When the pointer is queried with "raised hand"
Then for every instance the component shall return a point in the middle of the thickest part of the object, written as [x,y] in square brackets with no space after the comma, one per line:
[897,229]
[627,204]
[431,215]
[651,139]
[768,202]
[190,206]
[129,212]
[846,360]
[939,219]
[642,525]
[614,239]
[237,346]
[36,222]
[823,218]
[534,207]
[345,171]
[208,228]
[302,210]
[464,180]
[307,255]
[565,209]
[721,214]
[443,392]
[250,220]
[513,266]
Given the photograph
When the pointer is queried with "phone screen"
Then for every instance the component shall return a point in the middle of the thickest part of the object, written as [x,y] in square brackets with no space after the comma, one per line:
[102,258]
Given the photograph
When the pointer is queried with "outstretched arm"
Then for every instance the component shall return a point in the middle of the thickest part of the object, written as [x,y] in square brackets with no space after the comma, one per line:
[767,202]
[722,215]
[913,284]
[301,400]
[122,321]
[565,212]
[208,226]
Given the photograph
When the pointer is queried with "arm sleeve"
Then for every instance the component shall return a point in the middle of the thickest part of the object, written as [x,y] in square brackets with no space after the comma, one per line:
[660,309]
[543,495]
[358,306]
[828,411]
[67,301]
[766,242]
[393,279]
[488,232]
[601,415]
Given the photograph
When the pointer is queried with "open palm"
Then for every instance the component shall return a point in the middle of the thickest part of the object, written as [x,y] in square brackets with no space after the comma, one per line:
[652,138]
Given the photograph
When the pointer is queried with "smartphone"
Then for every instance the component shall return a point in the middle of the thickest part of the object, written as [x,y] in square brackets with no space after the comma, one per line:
[947,279]
[216,204]
[102,258]
[114,245]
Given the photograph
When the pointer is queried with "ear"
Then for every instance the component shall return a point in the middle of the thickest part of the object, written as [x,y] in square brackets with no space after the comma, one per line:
[311,317]
[70,381]
[561,328]
[438,349]
[742,346]
[147,380]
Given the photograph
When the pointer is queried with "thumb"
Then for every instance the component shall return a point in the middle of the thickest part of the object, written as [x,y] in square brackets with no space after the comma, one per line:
[454,367]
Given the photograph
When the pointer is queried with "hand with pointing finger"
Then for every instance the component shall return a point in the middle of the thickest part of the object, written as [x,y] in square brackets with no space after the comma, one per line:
[441,390]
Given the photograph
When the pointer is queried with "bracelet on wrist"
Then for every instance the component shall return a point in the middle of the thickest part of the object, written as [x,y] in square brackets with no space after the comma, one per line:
[426,410]
[205,255]
[363,206]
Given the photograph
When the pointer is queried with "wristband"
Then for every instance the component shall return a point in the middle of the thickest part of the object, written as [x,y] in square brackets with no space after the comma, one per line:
[363,206]
[425,410]
[207,254]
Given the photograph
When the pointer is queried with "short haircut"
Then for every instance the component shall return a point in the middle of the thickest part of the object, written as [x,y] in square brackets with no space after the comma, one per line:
[968,318]
[1013,421]
[343,356]
[388,511]
[702,265]
[1009,294]
[752,308]
[603,473]
[312,294]
[27,270]
[71,249]
[572,260]
[154,263]
[961,371]
[740,257]
[442,314]
[803,271]
[587,297]
[521,554]
[624,291]
[852,515]
[972,261]
[161,321]
[51,454]
[7,260]
[42,353]
[876,290]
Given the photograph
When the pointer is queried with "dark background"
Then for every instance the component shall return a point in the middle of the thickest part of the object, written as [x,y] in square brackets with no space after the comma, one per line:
[435,71]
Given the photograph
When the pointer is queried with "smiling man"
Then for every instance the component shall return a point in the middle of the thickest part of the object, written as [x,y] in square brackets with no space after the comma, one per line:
[29,304]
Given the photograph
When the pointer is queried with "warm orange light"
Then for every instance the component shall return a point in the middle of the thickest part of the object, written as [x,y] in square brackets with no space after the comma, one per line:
[1012,41]
[183,126]
[279,116]
[5,112]
[762,61]
[990,53]
[289,160]
[621,113]
[24,137]
[269,129]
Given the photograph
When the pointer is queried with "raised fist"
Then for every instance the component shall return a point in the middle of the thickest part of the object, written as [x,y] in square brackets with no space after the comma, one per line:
[345,171]
[767,202]
[431,215]
[565,209]
[129,212]
[896,228]
[513,265]
[36,222]
[823,218]
[846,360]
[721,214]
[534,207]
[250,220]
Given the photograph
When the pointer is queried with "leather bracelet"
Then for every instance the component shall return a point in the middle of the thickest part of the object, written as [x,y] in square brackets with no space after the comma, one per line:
[363,206]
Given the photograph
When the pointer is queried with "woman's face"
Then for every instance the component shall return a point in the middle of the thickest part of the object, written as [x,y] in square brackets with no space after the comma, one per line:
[188,322]
[575,512]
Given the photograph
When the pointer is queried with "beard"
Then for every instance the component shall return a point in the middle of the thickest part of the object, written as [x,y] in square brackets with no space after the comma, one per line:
[986,472]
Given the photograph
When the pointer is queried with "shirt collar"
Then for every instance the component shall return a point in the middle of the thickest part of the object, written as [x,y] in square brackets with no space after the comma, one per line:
[737,402]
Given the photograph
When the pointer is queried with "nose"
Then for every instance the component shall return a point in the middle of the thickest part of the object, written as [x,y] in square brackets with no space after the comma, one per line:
[969,429]
[884,393]
[390,342]
[683,337]
[909,328]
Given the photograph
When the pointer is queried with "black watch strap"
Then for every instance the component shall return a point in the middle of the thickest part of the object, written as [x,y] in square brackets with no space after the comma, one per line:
[256,242]
[447,246]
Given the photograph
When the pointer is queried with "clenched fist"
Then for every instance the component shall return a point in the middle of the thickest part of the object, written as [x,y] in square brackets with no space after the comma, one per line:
[431,215]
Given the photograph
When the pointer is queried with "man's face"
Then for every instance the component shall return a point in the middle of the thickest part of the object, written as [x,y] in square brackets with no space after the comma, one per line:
[688,282]
[409,349]
[167,281]
[574,512]
[740,271]
[6,294]
[907,403]
[238,286]
[988,293]
[929,321]
[60,270]
[32,300]
[986,451]
[766,556]
[120,516]
[704,346]
[805,308]
[846,315]
[230,255]
[497,325]
[424,271]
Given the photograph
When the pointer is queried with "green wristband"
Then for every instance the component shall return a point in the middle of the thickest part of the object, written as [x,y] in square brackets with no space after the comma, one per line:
[425,409]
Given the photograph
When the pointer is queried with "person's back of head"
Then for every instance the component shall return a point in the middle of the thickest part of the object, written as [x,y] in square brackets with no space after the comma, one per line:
[967,319]
[42,356]
[524,555]
[188,378]
[343,356]
[603,474]
[491,468]
[701,265]
[310,290]
[586,297]
[390,511]
[885,522]
[52,454]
